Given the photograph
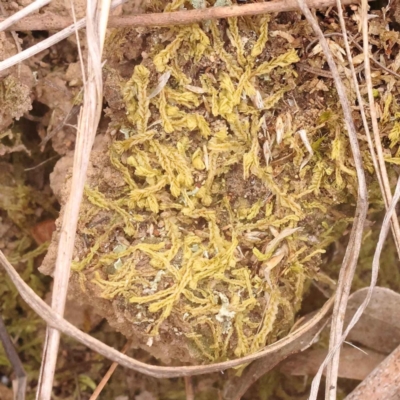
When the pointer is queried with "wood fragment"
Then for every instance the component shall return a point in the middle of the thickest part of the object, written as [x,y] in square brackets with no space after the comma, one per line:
[382,383]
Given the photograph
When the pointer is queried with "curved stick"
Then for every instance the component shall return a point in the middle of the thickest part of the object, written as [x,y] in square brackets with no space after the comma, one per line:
[54,22]
[56,321]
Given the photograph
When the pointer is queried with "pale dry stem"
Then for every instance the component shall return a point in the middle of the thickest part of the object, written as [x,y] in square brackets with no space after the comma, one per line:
[35,5]
[189,388]
[56,321]
[97,13]
[52,40]
[381,170]
[109,373]
[337,325]
[374,277]
[332,369]
[353,249]
[387,194]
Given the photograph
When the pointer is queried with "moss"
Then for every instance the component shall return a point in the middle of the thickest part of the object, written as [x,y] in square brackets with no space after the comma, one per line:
[14,98]
[221,198]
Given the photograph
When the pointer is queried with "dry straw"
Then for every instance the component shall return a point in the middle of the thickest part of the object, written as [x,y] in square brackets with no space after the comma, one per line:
[96,18]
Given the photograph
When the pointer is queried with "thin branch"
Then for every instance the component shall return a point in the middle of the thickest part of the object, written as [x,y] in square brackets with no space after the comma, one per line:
[52,40]
[54,22]
[109,373]
[35,5]
[353,249]
[189,388]
[337,325]
[12,355]
[42,163]
[54,320]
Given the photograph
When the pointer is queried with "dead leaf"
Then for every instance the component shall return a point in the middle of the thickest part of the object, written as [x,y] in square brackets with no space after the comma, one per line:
[379,326]
[284,35]
[382,383]
[354,363]
[43,231]
[378,330]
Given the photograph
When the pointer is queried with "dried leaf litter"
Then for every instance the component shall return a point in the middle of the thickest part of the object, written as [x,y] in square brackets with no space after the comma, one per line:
[219,193]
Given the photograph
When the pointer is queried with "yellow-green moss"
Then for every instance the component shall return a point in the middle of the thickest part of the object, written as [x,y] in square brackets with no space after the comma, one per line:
[221,200]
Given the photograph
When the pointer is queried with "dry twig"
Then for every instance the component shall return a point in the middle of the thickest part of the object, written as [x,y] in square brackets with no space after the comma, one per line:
[35,5]
[380,168]
[109,373]
[158,19]
[19,383]
[189,388]
[54,22]
[337,324]
[52,40]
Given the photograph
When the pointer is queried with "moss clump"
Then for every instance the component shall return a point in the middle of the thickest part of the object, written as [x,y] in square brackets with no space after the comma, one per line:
[218,198]
[15,99]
